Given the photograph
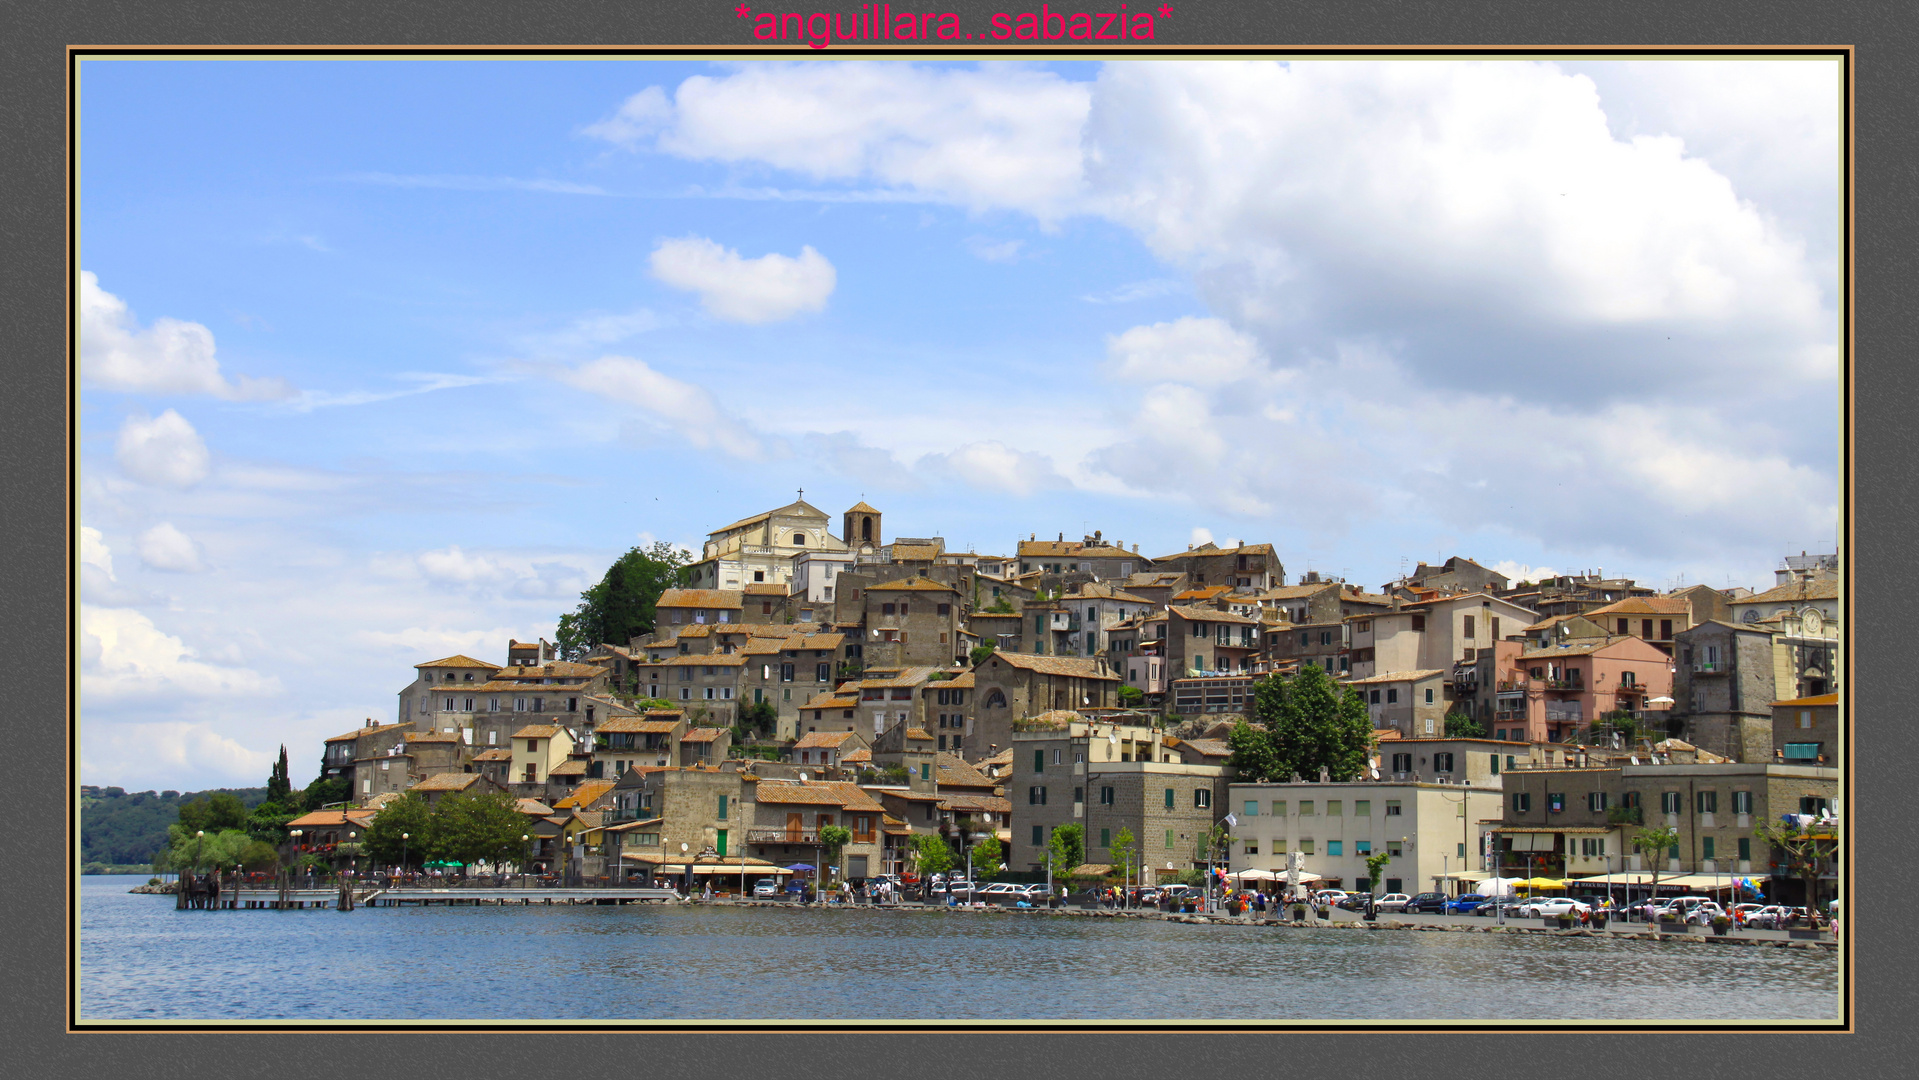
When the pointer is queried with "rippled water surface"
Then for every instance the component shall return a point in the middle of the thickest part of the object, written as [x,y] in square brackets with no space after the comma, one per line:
[141,959]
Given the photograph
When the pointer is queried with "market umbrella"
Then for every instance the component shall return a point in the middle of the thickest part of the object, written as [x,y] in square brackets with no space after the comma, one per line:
[1540,883]
[801,866]
[1254,874]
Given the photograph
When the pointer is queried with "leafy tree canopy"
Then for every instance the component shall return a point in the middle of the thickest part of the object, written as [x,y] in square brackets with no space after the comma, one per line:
[1302,724]
[1066,849]
[470,828]
[1131,696]
[215,813]
[981,652]
[988,859]
[407,815]
[621,606]
[1459,725]
[931,855]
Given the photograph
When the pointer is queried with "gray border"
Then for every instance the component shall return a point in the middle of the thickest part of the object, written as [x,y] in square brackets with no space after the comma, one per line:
[33,78]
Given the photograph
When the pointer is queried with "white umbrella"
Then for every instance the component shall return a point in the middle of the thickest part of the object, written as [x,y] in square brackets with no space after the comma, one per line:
[1254,874]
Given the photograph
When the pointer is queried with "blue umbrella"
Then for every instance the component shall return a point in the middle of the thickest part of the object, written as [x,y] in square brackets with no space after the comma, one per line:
[801,866]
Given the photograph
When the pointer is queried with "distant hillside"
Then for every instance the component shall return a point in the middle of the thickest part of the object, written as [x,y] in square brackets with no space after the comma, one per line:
[130,828]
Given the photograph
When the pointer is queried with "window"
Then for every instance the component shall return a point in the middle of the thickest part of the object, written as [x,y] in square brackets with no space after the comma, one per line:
[1495,758]
[1039,761]
[1252,847]
[1334,847]
[1708,801]
[1745,848]
[1056,755]
[1469,627]
[1522,802]
[887,609]
[1305,808]
[1169,839]
[709,693]
[1429,691]
[1106,838]
[1032,795]
[1596,801]
[1803,751]
[1441,762]
[1392,695]
[1509,764]
[1335,808]
[1279,807]
[926,773]
[1812,804]
[1106,796]
[1629,798]
[1671,802]
[722,814]
[1362,808]
[1252,807]
[1306,846]
[1375,698]
[1555,802]
[1705,847]
[1202,799]
[1039,838]
[1169,800]
[1419,623]
[1362,847]
[946,609]
[1402,763]
[1742,803]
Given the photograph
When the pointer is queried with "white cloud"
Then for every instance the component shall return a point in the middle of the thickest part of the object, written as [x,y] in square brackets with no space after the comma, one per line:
[94,553]
[995,467]
[767,289]
[161,753]
[1132,291]
[680,407]
[162,450]
[164,547]
[1518,571]
[1203,352]
[597,330]
[431,643]
[988,250]
[999,135]
[125,656]
[1200,535]
[168,357]
[452,564]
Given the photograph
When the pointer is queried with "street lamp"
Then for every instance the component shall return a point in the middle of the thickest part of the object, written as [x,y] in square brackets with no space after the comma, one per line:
[296,834]
[526,856]
[403,839]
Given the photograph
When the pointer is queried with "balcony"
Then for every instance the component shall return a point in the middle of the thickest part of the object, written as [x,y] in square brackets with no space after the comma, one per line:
[1570,685]
[1711,667]
[1628,688]
[782,836]
[1625,815]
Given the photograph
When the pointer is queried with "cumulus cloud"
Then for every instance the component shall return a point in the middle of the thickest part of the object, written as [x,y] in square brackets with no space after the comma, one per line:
[1200,535]
[94,553]
[163,450]
[682,408]
[989,137]
[995,467]
[168,357]
[452,564]
[767,289]
[843,452]
[163,752]
[989,250]
[1518,571]
[166,548]
[123,656]
[1202,352]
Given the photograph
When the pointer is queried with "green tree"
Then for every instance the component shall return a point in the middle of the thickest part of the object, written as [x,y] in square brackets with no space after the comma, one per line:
[1131,697]
[1304,723]
[325,791]
[279,786]
[1066,849]
[217,812]
[267,822]
[1375,867]
[407,814]
[1124,854]
[1655,845]
[931,856]
[190,850]
[1807,851]
[981,652]
[469,828]
[834,839]
[1461,725]
[621,606]
[760,718]
[988,859]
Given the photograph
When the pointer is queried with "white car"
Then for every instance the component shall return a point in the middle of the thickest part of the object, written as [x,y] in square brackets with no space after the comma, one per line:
[1704,914]
[765,887]
[1392,901]
[1001,890]
[1329,896]
[1552,907]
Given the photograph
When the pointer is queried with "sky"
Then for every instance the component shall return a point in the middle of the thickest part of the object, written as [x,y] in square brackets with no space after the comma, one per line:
[386,360]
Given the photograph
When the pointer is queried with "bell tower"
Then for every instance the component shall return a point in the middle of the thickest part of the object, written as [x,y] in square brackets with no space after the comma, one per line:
[861,529]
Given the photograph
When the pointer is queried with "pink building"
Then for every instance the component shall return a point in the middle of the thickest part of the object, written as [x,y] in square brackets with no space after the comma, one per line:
[1551,694]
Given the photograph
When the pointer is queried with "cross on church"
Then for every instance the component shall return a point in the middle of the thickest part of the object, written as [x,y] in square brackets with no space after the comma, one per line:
[802,494]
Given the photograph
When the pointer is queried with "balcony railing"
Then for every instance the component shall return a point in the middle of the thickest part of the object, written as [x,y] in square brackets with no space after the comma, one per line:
[782,836]
[1565,684]
[1710,667]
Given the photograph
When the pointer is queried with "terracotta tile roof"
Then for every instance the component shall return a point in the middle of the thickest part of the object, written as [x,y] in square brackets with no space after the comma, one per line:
[1587,647]
[994,615]
[1394,677]
[702,734]
[961,682]
[1004,757]
[918,735]
[497,753]
[952,771]
[906,794]
[1205,592]
[822,641]
[533,807]
[816,793]
[1196,614]
[915,584]
[966,802]
[1073,666]
[571,767]
[1793,591]
[832,700]
[459,660]
[432,736]
[705,659]
[828,739]
[764,588]
[1210,747]
[763,647]
[322,818]
[448,781]
[586,794]
[861,508]
[916,552]
[856,757]
[701,598]
[376,729]
[647,724]
[1644,605]
[1809,702]
[537,731]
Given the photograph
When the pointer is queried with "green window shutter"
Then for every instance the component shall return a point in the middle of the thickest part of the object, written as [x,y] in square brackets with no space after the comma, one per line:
[722,808]
[1169,798]
[1169,839]
[1745,847]
[1039,761]
[1705,847]
[1106,838]
[1039,839]
[926,771]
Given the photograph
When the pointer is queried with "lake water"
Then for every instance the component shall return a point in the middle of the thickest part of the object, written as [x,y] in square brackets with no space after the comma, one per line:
[141,959]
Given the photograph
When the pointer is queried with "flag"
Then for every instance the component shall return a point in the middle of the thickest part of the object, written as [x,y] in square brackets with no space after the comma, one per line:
[1232,821]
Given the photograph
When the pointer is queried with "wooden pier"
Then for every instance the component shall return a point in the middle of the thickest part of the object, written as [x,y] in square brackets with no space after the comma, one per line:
[523,897]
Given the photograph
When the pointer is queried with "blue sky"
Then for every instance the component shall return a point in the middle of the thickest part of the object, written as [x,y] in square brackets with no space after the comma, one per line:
[387,360]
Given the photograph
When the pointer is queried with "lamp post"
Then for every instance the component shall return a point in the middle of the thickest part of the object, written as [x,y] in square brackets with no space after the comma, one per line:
[296,834]
[688,868]
[354,839]
[526,857]
[403,840]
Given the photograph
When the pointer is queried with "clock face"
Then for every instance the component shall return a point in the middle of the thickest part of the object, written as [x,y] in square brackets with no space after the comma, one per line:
[1813,620]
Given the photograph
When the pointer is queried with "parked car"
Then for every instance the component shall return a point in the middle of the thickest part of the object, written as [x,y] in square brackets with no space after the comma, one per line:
[765,887]
[1351,903]
[1431,903]
[1503,905]
[1329,896]
[1036,893]
[1704,914]
[1001,892]
[1392,901]
[1552,907]
[1742,913]
[1468,904]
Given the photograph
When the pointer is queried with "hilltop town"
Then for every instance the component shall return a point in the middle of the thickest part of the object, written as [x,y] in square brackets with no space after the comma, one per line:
[803,680]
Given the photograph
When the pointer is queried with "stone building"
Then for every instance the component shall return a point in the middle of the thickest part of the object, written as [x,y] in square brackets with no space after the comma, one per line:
[1246,566]
[784,819]
[1723,688]
[1204,640]
[1429,829]
[760,549]
[1806,731]
[912,622]
[1011,686]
